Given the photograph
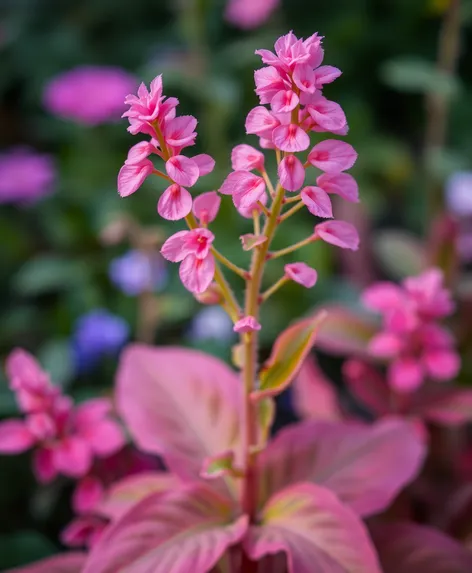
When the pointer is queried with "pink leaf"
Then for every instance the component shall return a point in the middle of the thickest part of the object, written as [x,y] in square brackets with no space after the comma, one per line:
[345,331]
[443,405]
[66,563]
[410,548]
[179,403]
[131,490]
[15,437]
[368,386]
[313,395]
[315,530]
[366,466]
[250,241]
[185,530]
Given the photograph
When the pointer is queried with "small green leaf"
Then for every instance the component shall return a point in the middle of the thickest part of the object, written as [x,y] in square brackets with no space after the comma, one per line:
[57,358]
[47,273]
[220,465]
[418,76]
[288,353]
[399,253]
[345,330]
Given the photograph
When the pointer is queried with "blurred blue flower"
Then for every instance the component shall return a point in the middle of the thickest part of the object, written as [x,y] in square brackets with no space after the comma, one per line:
[211,323]
[96,334]
[459,193]
[135,272]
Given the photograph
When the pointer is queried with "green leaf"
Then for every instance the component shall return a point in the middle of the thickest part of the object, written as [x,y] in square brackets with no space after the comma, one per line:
[57,358]
[288,353]
[48,273]
[218,466]
[399,253]
[418,76]
[23,547]
[345,330]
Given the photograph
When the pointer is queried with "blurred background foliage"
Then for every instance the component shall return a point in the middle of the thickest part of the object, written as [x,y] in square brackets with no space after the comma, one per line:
[56,253]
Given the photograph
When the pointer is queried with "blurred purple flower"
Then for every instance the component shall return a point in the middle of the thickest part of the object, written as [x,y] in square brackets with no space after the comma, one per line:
[136,272]
[96,334]
[25,176]
[89,94]
[248,14]
[211,323]
[459,193]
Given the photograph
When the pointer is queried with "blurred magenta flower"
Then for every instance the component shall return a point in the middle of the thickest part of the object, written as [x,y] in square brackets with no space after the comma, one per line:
[96,334]
[247,14]
[25,175]
[89,94]
[135,272]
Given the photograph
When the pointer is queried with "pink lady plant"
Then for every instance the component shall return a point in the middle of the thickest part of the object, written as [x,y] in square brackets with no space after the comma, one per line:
[233,500]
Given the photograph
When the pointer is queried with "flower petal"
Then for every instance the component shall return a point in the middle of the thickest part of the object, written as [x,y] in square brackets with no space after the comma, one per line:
[175,203]
[291,173]
[339,233]
[317,202]
[182,170]
[197,274]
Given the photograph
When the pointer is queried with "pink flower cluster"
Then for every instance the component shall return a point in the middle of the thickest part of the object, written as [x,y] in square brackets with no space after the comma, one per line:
[153,114]
[291,83]
[66,437]
[413,342]
[90,95]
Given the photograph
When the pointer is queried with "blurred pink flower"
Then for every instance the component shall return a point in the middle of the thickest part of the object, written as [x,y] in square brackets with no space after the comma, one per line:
[25,176]
[247,14]
[89,94]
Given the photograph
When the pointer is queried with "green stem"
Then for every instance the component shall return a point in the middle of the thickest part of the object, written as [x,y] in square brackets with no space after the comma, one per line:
[292,211]
[295,247]
[250,342]
[274,288]
[227,263]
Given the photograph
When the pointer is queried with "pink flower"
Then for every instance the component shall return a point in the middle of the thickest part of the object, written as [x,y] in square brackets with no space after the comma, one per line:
[429,294]
[246,158]
[246,324]
[150,109]
[291,173]
[261,122]
[25,176]
[327,115]
[248,14]
[192,250]
[246,188]
[341,184]
[180,132]
[317,202]
[301,274]
[205,163]
[89,94]
[175,203]
[206,207]
[269,82]
[87,494]
[338,233]
[284,101]
[332,156]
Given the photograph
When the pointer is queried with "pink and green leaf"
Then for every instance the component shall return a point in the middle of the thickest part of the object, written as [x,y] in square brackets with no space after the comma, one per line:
[131,490]
[365,465]
[185,530]
[345,331]
[315,530]
[179,403]
[411,548]
[288,353]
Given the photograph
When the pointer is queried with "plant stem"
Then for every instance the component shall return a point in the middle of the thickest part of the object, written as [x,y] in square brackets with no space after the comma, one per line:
[292,211]
[227,263]
[231,303]
[275,287]
[295,247]
[438,104]
[250,341]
